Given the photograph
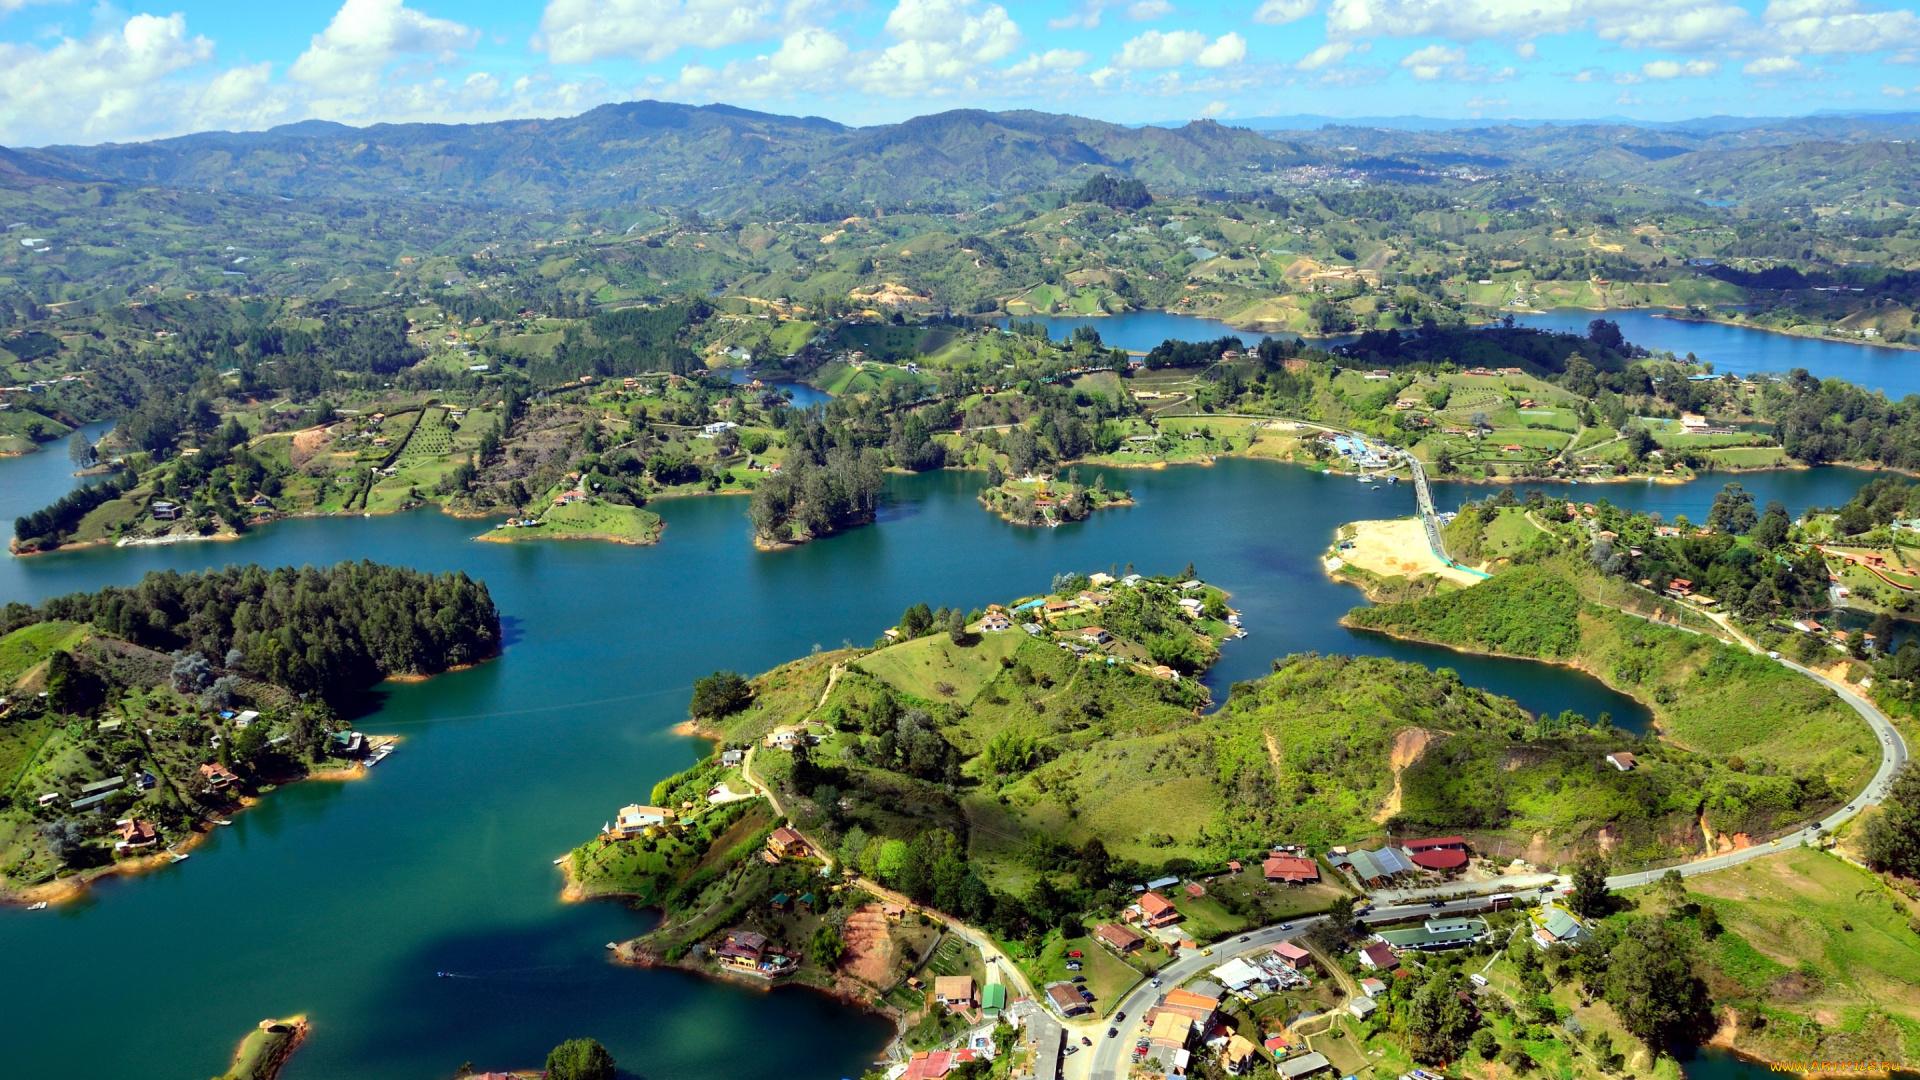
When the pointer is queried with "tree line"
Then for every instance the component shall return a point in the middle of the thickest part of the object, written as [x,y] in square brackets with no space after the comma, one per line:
[313,631]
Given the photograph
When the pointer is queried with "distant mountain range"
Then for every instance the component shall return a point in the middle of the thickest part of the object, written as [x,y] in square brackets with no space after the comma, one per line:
[718,158]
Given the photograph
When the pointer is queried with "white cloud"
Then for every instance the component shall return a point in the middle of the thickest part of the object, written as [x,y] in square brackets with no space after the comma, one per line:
[580,31]
[352,54]
[1665,24]
[1899,91]
[1836,26]
[1673,69]
[1149,10]
[102,86]
[1049,61]
[1431,62]
[940,46]
[1331,53]
[1277,12]
[1772,65]
[1155,49]
[1526,49]
[808,50]
[1215,110]
[1226,50]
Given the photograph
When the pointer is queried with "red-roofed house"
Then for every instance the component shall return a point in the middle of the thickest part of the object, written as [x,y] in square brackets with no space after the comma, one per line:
[1159,911]
[1120,938]
[932,1065]
[1379,955]
[1292,869]
[1293,954]
[1440,853]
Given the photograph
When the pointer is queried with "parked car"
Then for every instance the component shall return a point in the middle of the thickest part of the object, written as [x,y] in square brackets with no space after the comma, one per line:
[1078,979]
[1120,1015]
[1113,1033]
[1084,1041]
[1076,954]
[1477,979]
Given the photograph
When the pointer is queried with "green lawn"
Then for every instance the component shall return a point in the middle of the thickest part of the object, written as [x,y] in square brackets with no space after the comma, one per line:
[1108,976]
[933,668]
[590,518]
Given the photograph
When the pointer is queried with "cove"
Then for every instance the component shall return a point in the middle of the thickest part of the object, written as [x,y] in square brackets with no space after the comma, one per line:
[342,900]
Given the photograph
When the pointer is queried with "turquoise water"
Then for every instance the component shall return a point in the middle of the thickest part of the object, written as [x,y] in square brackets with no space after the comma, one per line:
[343,900]
[1140,331]
[1745,351]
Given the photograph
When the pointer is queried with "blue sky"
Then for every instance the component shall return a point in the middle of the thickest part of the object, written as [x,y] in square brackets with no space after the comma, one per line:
[74,73]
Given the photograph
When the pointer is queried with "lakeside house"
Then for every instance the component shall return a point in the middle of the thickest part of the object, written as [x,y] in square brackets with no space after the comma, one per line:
[1622,760]
[742,949]
[995,621]
[954,991]
[786,737]
[635,819]
[935,1064]
[132,834]
[217,776]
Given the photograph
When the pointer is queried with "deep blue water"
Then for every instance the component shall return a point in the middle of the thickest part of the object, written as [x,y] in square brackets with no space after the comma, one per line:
[1745,351]
[802,395]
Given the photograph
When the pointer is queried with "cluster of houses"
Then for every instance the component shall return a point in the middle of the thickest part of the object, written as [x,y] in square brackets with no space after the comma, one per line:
[1441,855]
[750,953]
[1359,452]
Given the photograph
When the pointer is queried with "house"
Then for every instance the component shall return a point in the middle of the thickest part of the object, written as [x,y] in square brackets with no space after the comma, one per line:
[995,621]
[1439,932]
[1362,1007]
[1379,956]
[1100,580]
[1679,586]
[1196,1007]
[1555,925]
[732,758]
[1276,1045]
[1158,910]
[1373,988]
[1439,853]
[49,798]
[164,510]
[954,991]
[993,1000]
[934,1064]
[742,949]
[1377,867]
[218,776]
[786,736]
[787,844]
[246,718]
[1095,635]
[1067,999]
[1292,869]
[1294,1068]
[132,833]
[1238,975]
[1195,890]
[1172,1030]
[1293,954]
[635,819]
[1240,1056]
[1622,760]
[1118,938]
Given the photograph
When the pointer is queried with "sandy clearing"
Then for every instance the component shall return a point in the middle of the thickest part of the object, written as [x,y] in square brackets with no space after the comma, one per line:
[1398,548]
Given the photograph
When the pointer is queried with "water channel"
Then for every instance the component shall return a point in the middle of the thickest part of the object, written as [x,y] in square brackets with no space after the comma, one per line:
[343,900]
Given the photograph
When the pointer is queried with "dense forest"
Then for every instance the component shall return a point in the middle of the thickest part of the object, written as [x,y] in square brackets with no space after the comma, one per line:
[312,631]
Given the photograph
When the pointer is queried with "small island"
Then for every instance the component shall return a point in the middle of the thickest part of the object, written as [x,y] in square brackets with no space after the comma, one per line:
[1045,499]
[267,1048]
[135,720]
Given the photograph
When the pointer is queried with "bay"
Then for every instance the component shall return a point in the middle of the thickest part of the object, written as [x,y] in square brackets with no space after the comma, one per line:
[343,900]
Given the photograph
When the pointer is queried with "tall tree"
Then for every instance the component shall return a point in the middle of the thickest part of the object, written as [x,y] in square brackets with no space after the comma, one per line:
[1590,896]
[1651,984]
[580,1059]
[1891,837]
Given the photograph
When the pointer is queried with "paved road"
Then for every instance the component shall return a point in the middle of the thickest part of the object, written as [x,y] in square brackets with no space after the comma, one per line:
[1110,1056]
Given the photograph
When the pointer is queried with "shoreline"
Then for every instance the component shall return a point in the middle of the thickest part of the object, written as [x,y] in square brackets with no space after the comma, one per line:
[1879,343]
[64,889]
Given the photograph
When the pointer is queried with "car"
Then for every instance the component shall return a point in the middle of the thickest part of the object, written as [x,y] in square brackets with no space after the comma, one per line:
[1113,1033]
[1477,979]
[1122,1015]
[1849,809]
[1078,979]
[1545,889]
[1156,981]
[1072,1050]
[1437,903]
[1084,1041]
[1245,938]
[1773,654]
[1077,954]
[1286,926]
[1208,951]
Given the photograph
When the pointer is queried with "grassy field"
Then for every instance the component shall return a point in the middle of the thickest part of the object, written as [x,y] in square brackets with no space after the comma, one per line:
[935,669]
[1108,976]
[1812,938]
[589,518]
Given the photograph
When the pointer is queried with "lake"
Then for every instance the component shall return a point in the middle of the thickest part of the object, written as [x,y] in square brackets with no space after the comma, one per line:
[342,900]
[1736,349]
